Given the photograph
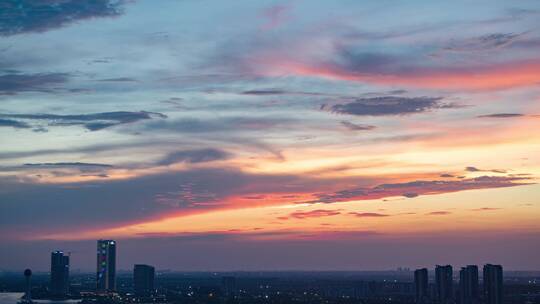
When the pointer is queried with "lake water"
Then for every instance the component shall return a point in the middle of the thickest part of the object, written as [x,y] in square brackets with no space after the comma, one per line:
[14,297]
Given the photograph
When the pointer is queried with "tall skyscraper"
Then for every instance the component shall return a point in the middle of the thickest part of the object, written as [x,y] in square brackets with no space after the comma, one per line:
[106,265]
[228,284]
[421,285]
[493,284]
[444,284]
[143,280]
[59,274]
[27,297]
[468,285]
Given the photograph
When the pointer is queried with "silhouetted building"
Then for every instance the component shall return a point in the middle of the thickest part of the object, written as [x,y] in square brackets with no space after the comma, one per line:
[229,286]
[27,298]
[106,265]
[444,284]
[59,274]
[143,280]
[468,285]
[421,285]
[493,284]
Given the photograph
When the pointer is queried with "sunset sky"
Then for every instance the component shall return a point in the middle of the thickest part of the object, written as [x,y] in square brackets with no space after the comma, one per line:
[265,135]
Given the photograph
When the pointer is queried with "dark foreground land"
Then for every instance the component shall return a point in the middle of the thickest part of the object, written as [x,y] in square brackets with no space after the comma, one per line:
[266,287]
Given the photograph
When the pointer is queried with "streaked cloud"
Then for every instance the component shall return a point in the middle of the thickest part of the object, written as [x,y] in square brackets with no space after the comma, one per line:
[313,213]
[486,209]
[194,156]
[439,213]
[67,164]
[356,127]
[368,214]
[475,169]
[29,16]
[13,123]
[92,122]
[14,83]
[483,43]
[389,105]
[501,115]
[416,188]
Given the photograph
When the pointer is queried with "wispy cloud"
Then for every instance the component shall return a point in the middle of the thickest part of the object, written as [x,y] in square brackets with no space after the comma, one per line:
[274,16]
[67,164]
[194,156]
[92,122]
[482,43]
[119,79]
[475,169]
[416,188]
[501,115]
[486,209]
[390,105]
[314,213]
[356,127]
[219,125]
[14,83]
[473,77]
[13,123]
[26,16]
[368,214]
[439,213]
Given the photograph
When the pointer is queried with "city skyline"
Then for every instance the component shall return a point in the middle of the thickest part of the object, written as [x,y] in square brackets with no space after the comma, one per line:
[106,273]
[270,135]
[408,288]
[440,290]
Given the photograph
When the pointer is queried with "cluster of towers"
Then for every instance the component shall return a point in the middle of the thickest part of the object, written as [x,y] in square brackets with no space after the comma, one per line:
[143,275]
[469,287]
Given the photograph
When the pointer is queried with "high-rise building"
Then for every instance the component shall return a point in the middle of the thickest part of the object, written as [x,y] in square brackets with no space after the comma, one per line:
[493,284]
[468,285]
[27,297]
[106,265]
[444,284]
[421,285]
[229,286]
[143,280]
[59,274]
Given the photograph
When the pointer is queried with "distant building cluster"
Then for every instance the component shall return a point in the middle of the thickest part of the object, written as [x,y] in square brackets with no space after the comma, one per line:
[437,287]
[469,292]
[143,275]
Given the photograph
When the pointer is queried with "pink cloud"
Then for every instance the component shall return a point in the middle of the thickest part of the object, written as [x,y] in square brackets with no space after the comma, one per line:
[275,16]
[501,76]
[368,214]
[439,213]
[314,213]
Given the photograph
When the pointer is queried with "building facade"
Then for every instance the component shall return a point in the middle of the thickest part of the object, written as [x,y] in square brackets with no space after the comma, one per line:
[444,284]
[493,284]
[106,265]
[468,285]
[421,286]
[143,280]
[59,285]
